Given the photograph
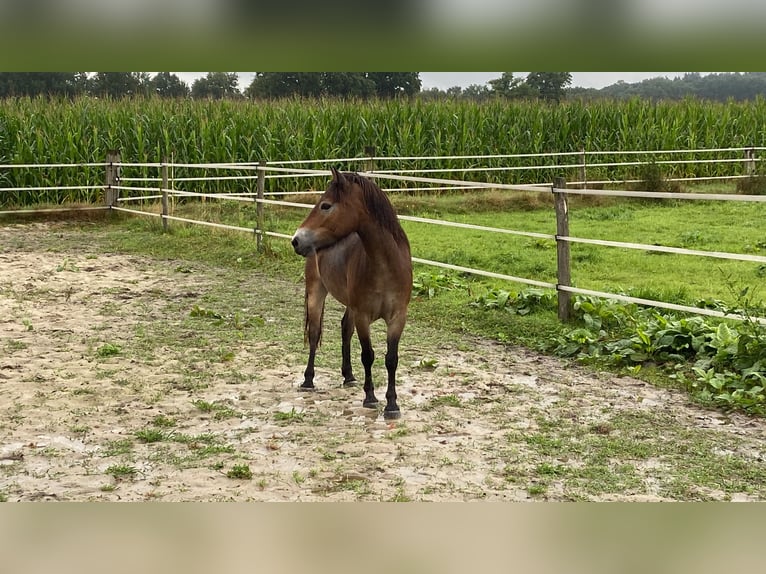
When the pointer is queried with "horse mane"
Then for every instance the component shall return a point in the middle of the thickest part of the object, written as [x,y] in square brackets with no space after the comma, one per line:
[378,205]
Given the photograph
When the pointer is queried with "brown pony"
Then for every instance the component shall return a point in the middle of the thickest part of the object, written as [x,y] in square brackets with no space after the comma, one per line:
[357,251]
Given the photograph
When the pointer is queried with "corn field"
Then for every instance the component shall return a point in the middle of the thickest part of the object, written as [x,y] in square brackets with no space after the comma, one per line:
[191,131]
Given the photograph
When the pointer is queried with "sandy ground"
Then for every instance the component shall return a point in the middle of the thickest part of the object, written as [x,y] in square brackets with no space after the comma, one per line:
[110,389]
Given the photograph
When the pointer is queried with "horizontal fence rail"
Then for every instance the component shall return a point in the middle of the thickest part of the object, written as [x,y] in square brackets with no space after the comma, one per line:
[254,177]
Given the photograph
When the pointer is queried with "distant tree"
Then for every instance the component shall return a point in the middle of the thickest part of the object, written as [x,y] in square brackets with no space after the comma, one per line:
[454,92]
[433,94]
[334,84]
[271,85]
[118,84]
[477,92]
[550,85]
[505,84]
[42,83]
[393,84]
[508,86]
[348,85]
[715,86]
[167,85]
[217,86]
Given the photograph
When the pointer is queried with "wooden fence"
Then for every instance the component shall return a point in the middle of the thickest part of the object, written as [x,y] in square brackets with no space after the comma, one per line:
[116,186]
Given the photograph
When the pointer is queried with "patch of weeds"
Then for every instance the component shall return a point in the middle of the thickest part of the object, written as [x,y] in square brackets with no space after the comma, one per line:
[205,438]
[27,324]
[117,447]
[545,445]
[399,432]
[220,411]
[327,455]
[400,496]
[13,345]
[102,374]
[163,421]
[600,478]
[190,383]
[444,400]
[537,489]
[240,472]
[290,416]
[122,471]
[360,486]
[225,355]
[429,284]
[108,350]
[151,435]
[235,320]
[547,469]
[653,179]
[298,478]
[108,488]
[67,265]
[211,449]
[426,364]
[519,303]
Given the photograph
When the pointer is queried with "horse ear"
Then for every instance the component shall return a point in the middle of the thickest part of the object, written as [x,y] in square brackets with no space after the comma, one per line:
[337,177]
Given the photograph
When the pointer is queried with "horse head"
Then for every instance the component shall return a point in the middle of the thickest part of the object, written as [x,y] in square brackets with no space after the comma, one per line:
[336,215]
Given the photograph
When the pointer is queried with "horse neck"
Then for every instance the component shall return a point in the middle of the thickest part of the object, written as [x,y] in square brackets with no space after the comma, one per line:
[379,241]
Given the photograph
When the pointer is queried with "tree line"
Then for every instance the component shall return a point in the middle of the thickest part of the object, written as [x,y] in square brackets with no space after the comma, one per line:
[214,85]
[548,86]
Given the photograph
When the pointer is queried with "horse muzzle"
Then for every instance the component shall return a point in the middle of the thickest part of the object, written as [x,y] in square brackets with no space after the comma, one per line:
[303,243]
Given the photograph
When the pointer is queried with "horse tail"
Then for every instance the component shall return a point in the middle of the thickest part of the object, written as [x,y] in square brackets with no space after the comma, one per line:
[306,322]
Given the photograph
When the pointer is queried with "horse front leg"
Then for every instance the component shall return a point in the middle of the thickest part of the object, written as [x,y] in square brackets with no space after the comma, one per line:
[347,331]
[368,357]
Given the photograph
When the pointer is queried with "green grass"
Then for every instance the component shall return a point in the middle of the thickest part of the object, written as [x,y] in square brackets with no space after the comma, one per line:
[705,226]
[480,306]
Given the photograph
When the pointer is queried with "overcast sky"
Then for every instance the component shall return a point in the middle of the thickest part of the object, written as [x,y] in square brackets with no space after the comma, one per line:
[444,80]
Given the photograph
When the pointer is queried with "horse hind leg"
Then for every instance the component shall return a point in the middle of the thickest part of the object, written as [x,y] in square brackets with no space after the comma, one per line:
[347,331]
[394,333]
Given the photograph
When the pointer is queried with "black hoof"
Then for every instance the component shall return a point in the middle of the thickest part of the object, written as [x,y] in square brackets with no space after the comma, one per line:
[392,415]
[352,382]
[307,389]
[370,404]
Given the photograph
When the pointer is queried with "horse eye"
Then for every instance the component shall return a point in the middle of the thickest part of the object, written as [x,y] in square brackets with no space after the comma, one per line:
[325,206]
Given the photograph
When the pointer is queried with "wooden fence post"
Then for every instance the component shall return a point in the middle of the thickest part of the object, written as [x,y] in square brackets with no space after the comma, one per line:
[562,249]
[164,191]
[259,205]
[750,161]
[112,177]
[369,163]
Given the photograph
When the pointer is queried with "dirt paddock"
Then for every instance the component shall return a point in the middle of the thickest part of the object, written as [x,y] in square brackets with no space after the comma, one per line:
[132,378]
